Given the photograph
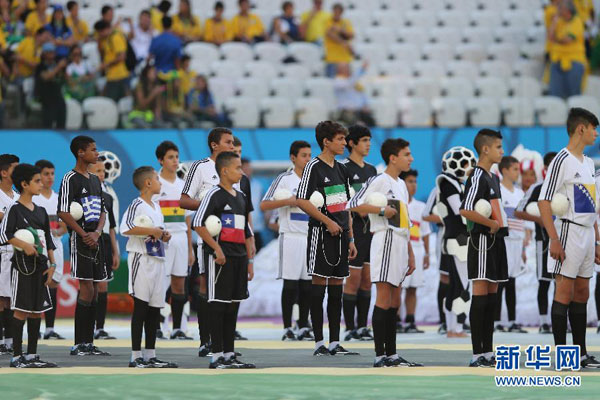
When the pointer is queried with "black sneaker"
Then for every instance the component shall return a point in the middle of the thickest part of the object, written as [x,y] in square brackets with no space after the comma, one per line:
[365,334]
[481,362]
[352,334]
[21,362]
[94,351]
[412,328]
[160,334]
[238,336]
[401,362]
[339,350]
[80,350]
[38,363]
[466,327]
[442,330]
[499,328]
[545,328]
[103,335]
[597,331]
[156,363]
[204,350]
[305,335]
[240,364]
[180,335]
[4,350]
[382,363]
[516,328]
[139,363]
[321,351]
[400,328]
[53,335]
[491,362]
[589,362]
[221,363]
[288,335]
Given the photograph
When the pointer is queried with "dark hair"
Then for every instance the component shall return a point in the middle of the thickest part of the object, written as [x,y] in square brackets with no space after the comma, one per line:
[484,137]
[23,173]
[6,160]
[73,48]
[145,11]
[337,5]
[236,141]
[245,160]
[328,130]
[548,157]
[105,8]
[41,31]
[578,116]
[219,4]
[164,6]
[184,58]
[167,22]
[140,175]
[214,136]
[80,143]
[41,164]
[286,4]
[391,147]
[71,4]
[410,172]
[101,25]
[355,133]
[224,159]
[297,145]
[53,19]
[506,162]
[164,147]
[242,1]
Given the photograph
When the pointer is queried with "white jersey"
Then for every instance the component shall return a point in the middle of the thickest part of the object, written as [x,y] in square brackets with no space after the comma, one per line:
[419,228]
[510,201]
[137,244]
[201,177]
[5,202]
[395,191]
[291,219]
[575,179]
[168,200]
[51,206]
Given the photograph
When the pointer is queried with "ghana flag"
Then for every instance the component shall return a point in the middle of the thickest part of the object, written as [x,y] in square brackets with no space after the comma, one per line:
[335,198]
[171,211]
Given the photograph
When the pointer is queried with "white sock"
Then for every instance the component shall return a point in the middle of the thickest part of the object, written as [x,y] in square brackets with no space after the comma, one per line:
[135,355]
[333,345]
[379,358]
[149,353]
[49,330]
[96,331]
[394,357]
[450,321]
[229,355]
[216,356]
[8,342]
[185,316]
[476,356]
[165,325]
[319,344]
[510,323]
[488,355]
[30,356]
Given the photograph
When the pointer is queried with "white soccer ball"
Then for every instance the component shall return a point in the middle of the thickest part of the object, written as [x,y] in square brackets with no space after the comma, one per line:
[559,204]
[213,225]
[352,192]
[459,306]
[24,235]
[112,165]
[458,161]
[182,170]
[377,199]
[76,211]
[317,199]
[483,207]
[533,209]
[202,194]
[282,194]
[143,221]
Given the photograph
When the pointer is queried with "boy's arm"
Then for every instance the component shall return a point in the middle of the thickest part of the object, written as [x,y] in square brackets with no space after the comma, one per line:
[268,203]
[358,205]
[474,191]
[115,249]
[191,255]
[426,256]
[530,196]
[191,189]
[411,260]
[128,228]
[249,246]
[554,179]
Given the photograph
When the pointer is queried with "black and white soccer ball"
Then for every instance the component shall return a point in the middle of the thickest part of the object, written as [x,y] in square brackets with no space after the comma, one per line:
[182,170]
[458,161]
[112,165]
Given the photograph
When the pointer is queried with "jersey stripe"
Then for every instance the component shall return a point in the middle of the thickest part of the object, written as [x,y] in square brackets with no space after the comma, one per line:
[203,206]
[131,213]
[3,237]
[470,199]
[303,187]
[553,173]
[64,192]
[191,175]
[273,187]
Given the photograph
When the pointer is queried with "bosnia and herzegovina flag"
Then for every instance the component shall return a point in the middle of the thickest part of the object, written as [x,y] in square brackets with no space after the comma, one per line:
[336,198]
[401,219]
[415,231]
[584,195]
[498,213]
[233,228]
[171,211]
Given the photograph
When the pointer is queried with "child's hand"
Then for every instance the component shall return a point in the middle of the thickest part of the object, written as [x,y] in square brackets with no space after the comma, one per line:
[219,257]
[29,249]
[352,252]
[49,274]
[116,261]
[157,233]
[166,236]
[250,271]
[556,250]
[494,226]
[389,212]
[191,257]
[411,263]
[333,228]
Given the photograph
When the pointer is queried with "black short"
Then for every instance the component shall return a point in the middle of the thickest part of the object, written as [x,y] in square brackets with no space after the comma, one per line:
[87,264]
[541,259]
[486,258]
[229,282]
[327,255]
[108,255]
[363,246]
[446,260]
[29,292]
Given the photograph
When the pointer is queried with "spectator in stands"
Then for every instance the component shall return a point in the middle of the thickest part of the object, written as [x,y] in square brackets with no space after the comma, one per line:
[147,101]
[216,29]
[285,27]
[49,81]
[10,24]
[166,50]
[567,52]
[185,74]
[313,22]
[108,15]
[28,54]
[37,18]
[78,26]
[550,11]
[4,71]
[352,104]
[157,13]
[186,25]
[140,36]
[338,40]
[113,47]
[81,78]
[199,102]
[63,37]
[246,26]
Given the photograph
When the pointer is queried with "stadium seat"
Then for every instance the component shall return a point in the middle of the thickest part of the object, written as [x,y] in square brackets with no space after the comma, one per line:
[359,19]
[517,111]
[91,54]
[270,52]
[449,112]
[236,52]
[414,112]
[525,86]
[470,52]
[374,53]
[221,89]
[520,18]
[199,66]
[428,69]
[227,69]
[462,68]
[389,88]
[485,18]
[424,19]
[483,111]
[453,18]
[306,53]
[510,34]
[125,106]
[126,12]
[321,88]
[503,51]
[255,88]
[459,87]
[384,112]
[535,50]
[494,5]
[481,35]
[89,15]
[243,111]
[291,88]
[389,5]
[426,88]
[462,5]
[379,34]
[74,114]
[416,35]
[445,35]
[495,68]
[277,112]
[437,52]
[310,111]
[536,34]
[405,52]
[295,70]
[385,18]
[550,110]
[207,52]
[261,69]
[395,68]
[430,5]
[588,102]
[100,113]
[532,68]
[490,87]
[592,87]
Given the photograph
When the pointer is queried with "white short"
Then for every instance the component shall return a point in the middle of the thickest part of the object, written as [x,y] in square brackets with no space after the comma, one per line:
[416,279]
[176,255]
[59,258]
[514,251]
[389,257]
[146,277]
[579,243]
[292,257]
[5,268]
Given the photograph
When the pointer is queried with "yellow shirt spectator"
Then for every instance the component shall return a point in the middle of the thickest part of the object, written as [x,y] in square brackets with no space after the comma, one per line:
[81,31]
[549,13]
[29,51]
[2,40]
[566,54]
[315,31]
[585,9]
[249,26]
[186,80]
[186,29]
[334,51]
[111,47]
[30,4]
[156,17]
[217,31]
[33,22]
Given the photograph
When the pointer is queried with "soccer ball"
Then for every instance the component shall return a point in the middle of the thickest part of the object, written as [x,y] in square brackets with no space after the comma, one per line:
[143,221]
[76,211]
[483,207]
[213,225]
[317,199]
[559,204]
[182,170]
[377,199]
[112,165]
[458,161]
[532,209]
[24,235]
[282,194]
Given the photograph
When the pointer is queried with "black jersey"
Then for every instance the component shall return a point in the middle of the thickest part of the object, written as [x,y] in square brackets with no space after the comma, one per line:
[233,213]
[532,196]
[75,187]
[245,188]
[333,184]
[450,195]
[483,185]
[358,176]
